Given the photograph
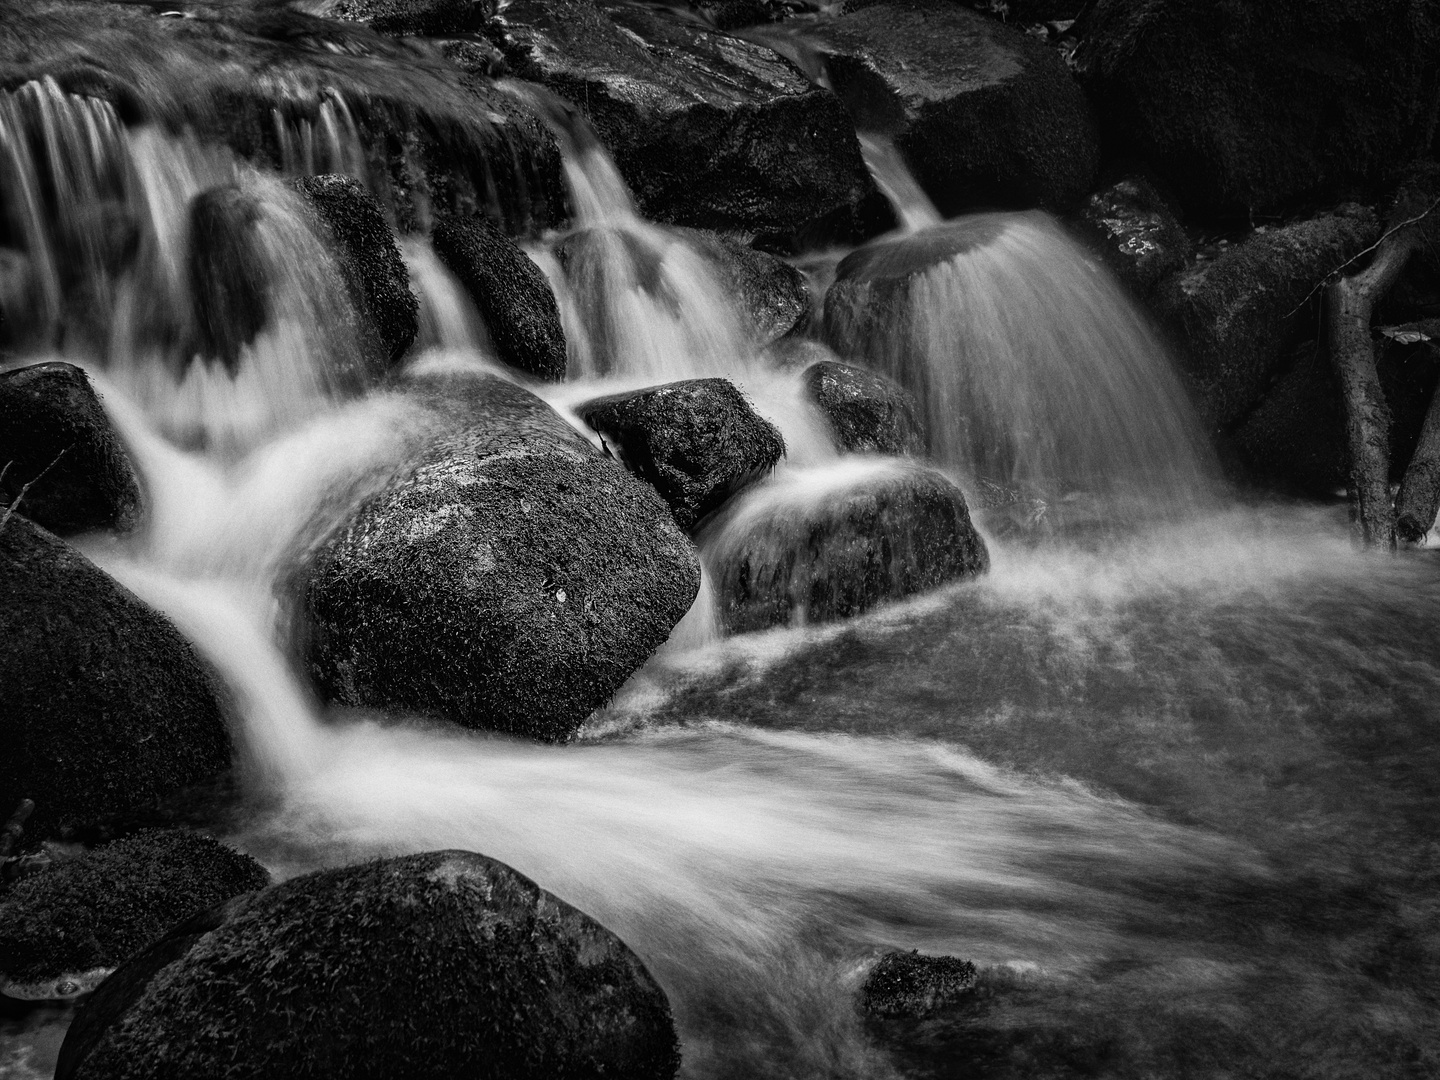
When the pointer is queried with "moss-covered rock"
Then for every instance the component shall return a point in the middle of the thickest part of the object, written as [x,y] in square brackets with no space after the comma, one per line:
[984,114]
[105,706]
[61,928]
[913,986]
[832,543]
[1135,232]
[375,274]
[55,436]
[509,290]
[449,962]
[512,578]
[696,442]
[868,413]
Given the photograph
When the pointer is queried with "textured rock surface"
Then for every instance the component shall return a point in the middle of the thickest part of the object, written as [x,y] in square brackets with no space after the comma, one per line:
[412,17]
[1135,232]
[509,290]
[375,274]
[696,442]
[984,115]
[868,413]
[95,911]
[832,546]
[106,707]
[1243,107]
[708,130]
[55,436]
[512,578]
[913,986]
[446,958]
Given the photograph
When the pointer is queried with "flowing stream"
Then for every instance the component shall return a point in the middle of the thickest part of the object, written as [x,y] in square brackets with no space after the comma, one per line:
[1172,784]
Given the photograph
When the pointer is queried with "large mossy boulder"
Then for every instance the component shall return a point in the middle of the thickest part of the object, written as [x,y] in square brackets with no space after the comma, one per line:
[511,578]
[56,438]
[867,413]
[1135,232]
[1235,314]
[708,130]
[509,290]
[448,963]
[66,927]
[375,274]
[830,543]
[696,442]
[1245,107]
[984,114]
[106,708]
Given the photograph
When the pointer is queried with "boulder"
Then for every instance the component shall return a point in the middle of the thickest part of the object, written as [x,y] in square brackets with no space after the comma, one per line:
[1245,108]
[55,436]
[65,928]
[868,413]
[509,290]
[830,543]
[771,292]
[375,274]
[447,961]
[510,578]
[106,707]
[696,442]
[707,130]
[984,114]
[411,18]
[1135,232]
[229,288]
[913,986]
[1235,315]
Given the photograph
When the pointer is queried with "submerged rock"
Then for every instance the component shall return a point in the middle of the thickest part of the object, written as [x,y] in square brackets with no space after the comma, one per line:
[913,986]
[829,544]
[707,129]
[868,413]
[375,274]
[511,578]
[1243,107]
[425,18]
[696,442]
[984,114]
[1135,232]
[105,706]
[229,288]
[1235,316]
[772,293]
[448,961]
[55,436]
[509,290]
[66,927]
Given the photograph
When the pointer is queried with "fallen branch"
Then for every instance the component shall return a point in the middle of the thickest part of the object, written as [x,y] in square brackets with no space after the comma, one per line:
[1334,275]
[25,489]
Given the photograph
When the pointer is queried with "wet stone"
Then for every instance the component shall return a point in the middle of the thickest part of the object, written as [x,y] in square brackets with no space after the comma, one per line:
[912,986]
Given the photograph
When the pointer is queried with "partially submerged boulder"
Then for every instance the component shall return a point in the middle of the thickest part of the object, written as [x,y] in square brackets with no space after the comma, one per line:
[1135,232]
[65,928]
[696,442]
[55,437]
[106,708]
[375,274]
[509,290]
[772,293]
[448,961]
[868,413]
[830,543]
[707,129]
[913,986]
[984,114]
[229,288]
[512,578]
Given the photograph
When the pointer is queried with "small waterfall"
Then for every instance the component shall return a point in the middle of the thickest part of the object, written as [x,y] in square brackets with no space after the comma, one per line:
[898,183]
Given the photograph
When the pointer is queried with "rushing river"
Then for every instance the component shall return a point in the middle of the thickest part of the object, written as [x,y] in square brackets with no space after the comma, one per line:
[1172,782]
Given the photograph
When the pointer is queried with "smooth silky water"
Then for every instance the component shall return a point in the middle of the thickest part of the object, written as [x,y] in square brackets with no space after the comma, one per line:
[1172,785]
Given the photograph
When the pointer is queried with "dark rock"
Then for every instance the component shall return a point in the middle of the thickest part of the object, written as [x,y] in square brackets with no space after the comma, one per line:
[984,114]
[106,707]
[476,57]
[868,413]
[63,929]
[707,130]
[1028,12]
[821,547]
[229,289]
[696,442]
[1235,316]
[413,18]
[512,578]
[446,958]
[771,291]
[375,274]
[913,986]
[1135,232]
[1242,107]
[737,14]
[55,436]
[510,291]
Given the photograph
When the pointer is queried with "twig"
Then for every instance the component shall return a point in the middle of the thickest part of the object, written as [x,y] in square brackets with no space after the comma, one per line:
[5,518]
[1331,276]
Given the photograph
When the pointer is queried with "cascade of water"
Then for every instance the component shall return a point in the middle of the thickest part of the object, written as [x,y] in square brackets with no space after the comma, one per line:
[897,183]
[330,143]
